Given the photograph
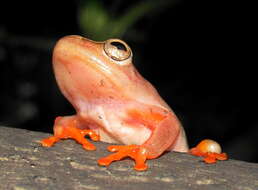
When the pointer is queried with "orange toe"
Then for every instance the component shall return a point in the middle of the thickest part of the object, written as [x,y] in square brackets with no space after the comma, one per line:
[210,150]
[222,156]
[93,136]
[196,152]
[208,157]
[136,152]
[70,131]
[79,136]
[48,142]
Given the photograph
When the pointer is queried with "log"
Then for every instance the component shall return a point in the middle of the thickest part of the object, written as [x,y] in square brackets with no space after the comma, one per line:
[26,165]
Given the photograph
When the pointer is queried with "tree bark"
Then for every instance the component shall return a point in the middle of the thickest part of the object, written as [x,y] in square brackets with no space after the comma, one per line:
[26,165]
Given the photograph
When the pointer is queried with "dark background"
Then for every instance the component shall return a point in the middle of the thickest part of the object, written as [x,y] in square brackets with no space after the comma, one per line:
[198,54]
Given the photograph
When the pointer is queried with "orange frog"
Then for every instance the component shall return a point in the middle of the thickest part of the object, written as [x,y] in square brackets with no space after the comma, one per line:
[113,103]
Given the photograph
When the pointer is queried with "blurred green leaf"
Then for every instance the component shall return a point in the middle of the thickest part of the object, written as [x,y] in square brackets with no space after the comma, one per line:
[93,18]
[98,23]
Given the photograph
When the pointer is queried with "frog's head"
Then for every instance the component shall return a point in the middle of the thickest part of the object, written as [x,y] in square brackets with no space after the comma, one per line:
[85,68]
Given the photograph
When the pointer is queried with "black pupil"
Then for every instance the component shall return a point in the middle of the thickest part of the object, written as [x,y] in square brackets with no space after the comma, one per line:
[119,45]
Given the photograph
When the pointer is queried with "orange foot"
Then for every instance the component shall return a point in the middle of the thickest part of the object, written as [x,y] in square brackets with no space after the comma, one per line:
[68,130]
[136,152]
[209,150]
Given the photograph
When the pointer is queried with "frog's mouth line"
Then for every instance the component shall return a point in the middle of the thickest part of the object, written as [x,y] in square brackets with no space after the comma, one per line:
[86,57]
[87,61]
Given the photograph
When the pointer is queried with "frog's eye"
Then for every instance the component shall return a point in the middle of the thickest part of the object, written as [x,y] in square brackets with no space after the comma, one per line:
[117,50]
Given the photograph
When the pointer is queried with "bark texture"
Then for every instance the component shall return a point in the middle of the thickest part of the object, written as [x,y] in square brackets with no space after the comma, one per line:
[25,165]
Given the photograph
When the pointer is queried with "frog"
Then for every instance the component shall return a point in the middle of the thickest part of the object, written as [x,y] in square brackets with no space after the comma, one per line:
[114,103]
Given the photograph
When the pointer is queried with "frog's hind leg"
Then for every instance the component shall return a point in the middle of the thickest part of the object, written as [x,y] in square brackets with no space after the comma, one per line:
[68,128]
[165,130]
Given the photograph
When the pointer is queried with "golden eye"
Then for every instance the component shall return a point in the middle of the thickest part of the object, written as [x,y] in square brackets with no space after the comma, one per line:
[117,49]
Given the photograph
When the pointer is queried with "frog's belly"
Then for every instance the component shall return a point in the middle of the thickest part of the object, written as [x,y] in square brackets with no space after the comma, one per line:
[112,126]
[124,135]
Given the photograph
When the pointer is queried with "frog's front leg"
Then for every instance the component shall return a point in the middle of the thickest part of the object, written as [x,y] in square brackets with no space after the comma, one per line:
[68,128]
[165,132]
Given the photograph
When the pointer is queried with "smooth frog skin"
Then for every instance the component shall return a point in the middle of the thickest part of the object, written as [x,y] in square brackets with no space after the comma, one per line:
[113,102]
